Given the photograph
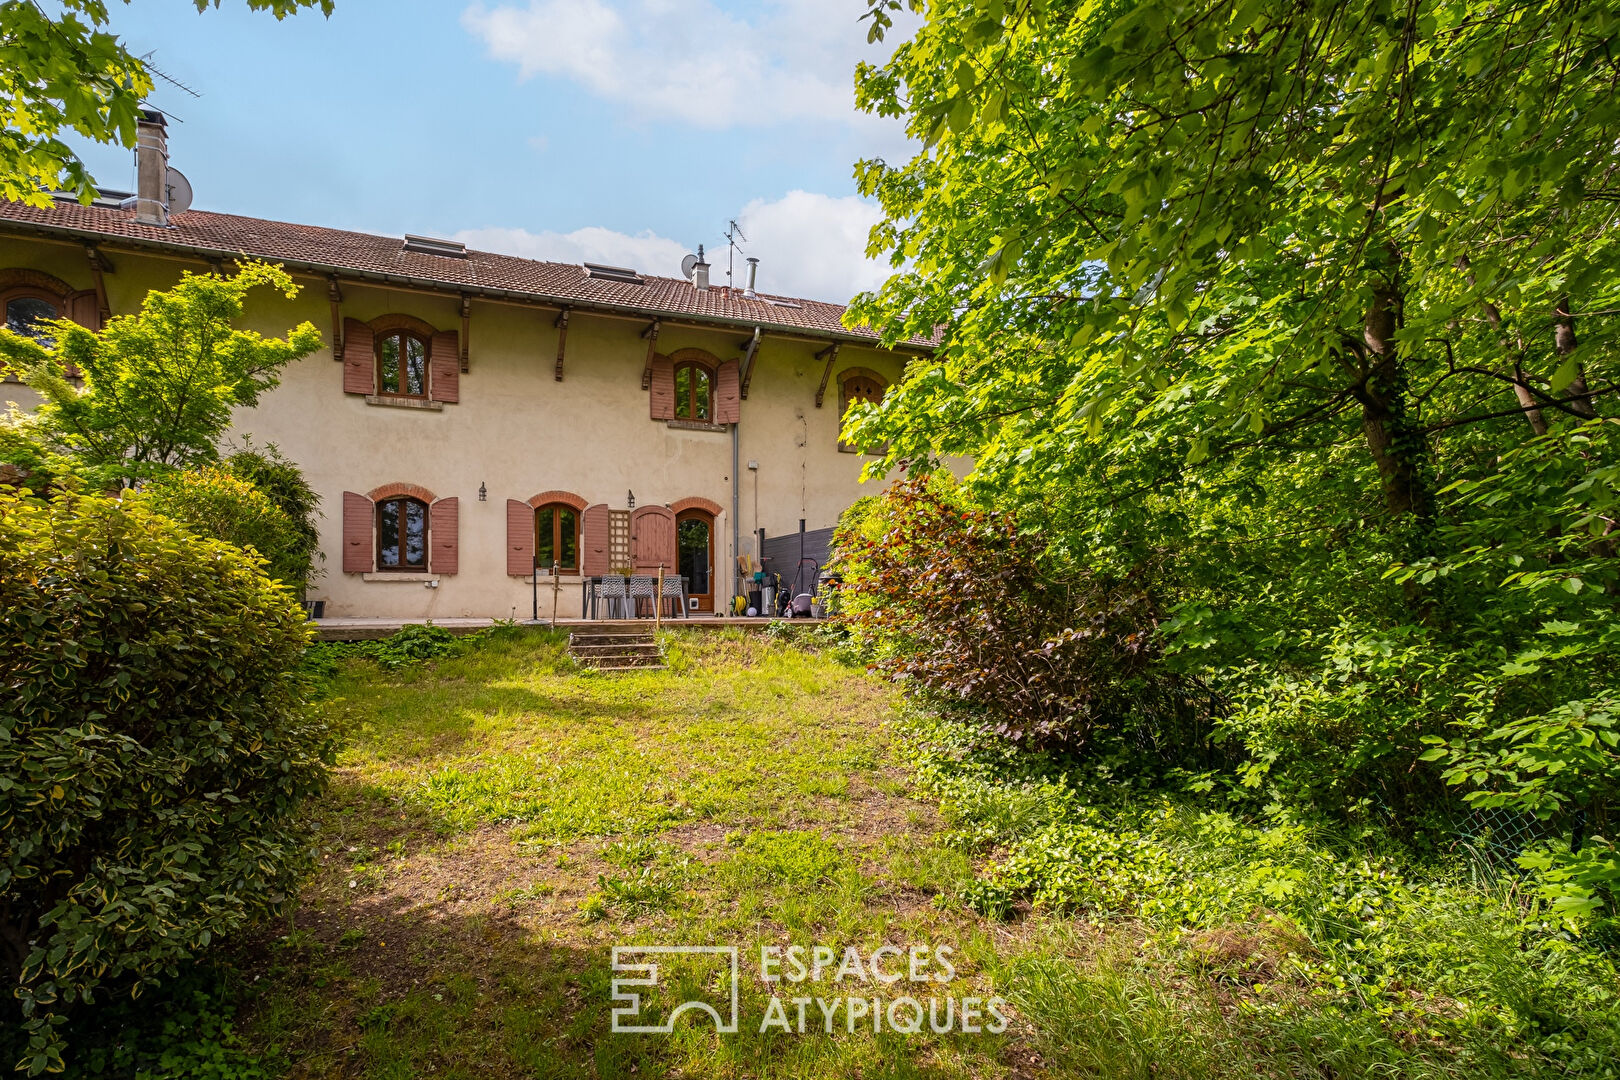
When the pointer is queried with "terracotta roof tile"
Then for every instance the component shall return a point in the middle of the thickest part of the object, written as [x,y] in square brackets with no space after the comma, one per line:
[363,254]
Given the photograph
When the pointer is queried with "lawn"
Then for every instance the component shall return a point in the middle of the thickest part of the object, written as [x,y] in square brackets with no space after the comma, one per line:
[500,820]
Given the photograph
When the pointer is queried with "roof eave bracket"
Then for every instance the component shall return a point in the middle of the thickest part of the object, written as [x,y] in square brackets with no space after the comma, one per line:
[831,353]
[651,334]
[752,347]
[466,329]
[562,340]
[334,293]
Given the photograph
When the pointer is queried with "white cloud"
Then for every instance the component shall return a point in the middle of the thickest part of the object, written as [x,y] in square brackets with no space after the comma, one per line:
[690,60]
[809,245]
[645,251]
[812,245]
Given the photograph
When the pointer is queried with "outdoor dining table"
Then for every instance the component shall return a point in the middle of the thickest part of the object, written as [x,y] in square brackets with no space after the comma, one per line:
[587,595]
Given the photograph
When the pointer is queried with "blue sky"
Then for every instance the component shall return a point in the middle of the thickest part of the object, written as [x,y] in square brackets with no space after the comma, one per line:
[621,130]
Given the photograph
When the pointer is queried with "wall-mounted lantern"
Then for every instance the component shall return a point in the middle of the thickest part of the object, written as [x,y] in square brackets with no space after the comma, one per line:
[483,492]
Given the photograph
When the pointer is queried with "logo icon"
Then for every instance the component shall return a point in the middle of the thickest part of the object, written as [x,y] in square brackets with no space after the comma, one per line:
[627,1002]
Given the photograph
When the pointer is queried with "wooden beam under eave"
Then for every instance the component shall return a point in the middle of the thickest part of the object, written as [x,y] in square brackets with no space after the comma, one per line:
[335,295]
[748,363]
[651,334]
[831,353]
[466,328]
[562,339]
[98,264]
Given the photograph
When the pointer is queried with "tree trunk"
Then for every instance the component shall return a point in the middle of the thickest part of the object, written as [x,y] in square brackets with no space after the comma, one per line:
[1564,341]
[1521,388]
[1398,448]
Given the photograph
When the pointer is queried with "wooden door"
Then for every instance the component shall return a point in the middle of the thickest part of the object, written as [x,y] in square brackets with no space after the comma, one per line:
[695,540]
[652,539]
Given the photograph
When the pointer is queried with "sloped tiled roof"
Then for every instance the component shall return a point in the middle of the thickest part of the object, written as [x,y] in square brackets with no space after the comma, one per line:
[384,258]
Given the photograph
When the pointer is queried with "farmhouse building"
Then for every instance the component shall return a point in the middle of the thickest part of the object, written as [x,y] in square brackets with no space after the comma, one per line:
[475,416]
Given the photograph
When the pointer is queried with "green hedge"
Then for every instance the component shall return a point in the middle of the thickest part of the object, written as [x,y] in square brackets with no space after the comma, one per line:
[155,750]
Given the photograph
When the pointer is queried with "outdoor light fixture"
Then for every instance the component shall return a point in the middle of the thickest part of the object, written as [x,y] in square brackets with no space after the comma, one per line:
[483,492]
[632,500]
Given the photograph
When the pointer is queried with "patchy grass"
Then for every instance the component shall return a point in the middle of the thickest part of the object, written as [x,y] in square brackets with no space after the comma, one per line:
[515,735]
[500,821]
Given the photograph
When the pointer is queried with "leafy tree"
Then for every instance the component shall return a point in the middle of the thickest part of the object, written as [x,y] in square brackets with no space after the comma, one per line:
[1310,304]
[66,72]
[1259,221]
[158,385]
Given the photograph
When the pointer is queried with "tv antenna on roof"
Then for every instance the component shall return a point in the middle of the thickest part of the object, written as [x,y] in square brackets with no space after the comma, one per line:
[165,76]
[733,234]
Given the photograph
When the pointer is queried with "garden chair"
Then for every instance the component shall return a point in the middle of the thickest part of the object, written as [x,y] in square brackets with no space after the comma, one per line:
[675,592]
[612,595]
[642,588]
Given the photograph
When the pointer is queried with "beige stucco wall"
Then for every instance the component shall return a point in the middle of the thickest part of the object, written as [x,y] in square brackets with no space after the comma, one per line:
[519,432]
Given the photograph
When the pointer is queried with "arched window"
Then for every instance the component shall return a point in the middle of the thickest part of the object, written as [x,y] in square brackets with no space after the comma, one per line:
[694,391]
[556,537]
[858,384]
[402,534]
[28,310]
[402,364]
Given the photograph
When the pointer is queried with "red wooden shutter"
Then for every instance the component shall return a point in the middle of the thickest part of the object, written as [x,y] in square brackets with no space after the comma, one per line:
[662,392]
[444,384]
[359,358]
[444,556]
[84,309]
[652,539]
[519,538]
[727,393]
[595,538]
[358,556]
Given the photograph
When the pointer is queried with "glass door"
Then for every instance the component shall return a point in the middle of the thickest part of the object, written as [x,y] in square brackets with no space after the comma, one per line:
[695,533]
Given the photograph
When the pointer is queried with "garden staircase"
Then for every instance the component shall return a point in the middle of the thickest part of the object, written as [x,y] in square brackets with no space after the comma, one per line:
[623,651]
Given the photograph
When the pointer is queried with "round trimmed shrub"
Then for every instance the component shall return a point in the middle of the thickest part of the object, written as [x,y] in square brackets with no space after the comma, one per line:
[156,750]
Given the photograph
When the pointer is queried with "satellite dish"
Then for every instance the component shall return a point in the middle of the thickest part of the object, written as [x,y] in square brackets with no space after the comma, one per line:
[686,266]
[178,189]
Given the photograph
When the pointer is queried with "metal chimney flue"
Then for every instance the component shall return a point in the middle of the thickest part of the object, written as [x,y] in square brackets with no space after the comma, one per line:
[700,272]
[753,270]
[151,169]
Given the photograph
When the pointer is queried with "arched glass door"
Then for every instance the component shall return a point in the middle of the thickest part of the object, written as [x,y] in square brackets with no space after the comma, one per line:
[695,535]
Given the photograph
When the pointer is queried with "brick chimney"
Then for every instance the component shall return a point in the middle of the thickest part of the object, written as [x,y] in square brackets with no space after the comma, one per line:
[151,169]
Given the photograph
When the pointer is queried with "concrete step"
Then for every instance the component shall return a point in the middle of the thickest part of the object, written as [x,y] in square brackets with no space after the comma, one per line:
[619,658]
[609,639]
[609,651]
[628,647]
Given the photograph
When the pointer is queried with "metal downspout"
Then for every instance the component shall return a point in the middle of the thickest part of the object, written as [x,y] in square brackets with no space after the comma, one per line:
[736,537]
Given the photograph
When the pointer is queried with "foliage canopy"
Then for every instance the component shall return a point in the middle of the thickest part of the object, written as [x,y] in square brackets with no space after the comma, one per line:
[66,72]
[158,385]
[1309,305]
